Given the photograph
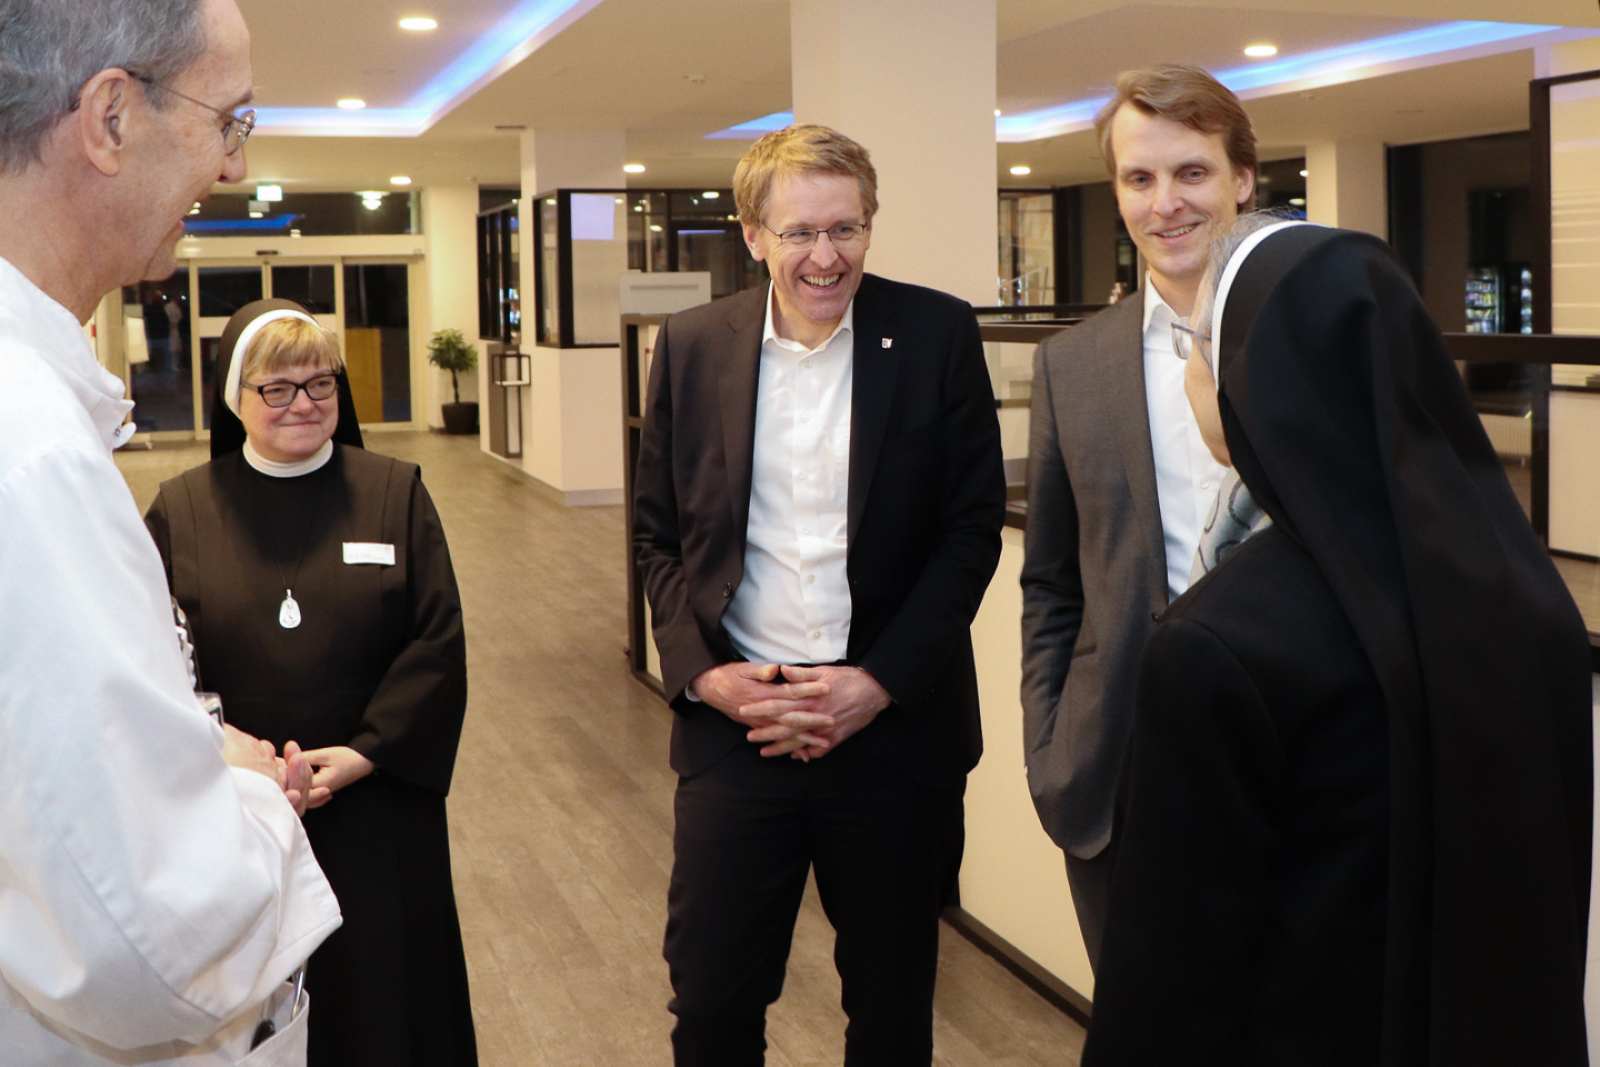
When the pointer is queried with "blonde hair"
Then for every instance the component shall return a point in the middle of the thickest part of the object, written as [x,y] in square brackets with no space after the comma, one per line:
[803,149]
[285,343]
[1185,94]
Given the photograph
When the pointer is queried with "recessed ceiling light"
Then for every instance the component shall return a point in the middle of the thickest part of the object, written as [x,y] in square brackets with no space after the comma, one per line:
[1302,174]
[1298,201]
[1022,170]
[655,229]
[633,168]
[399,179]
[255,214]
[419,24]
[269,193]
[1261,51]
[294,233]
[352,103]
[710,194]
[372,205]
[996,112]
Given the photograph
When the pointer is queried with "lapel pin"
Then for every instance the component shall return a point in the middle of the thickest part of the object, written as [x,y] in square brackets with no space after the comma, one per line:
[888,342]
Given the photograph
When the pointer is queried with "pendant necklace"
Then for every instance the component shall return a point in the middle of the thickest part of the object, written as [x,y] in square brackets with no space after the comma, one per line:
[289,610]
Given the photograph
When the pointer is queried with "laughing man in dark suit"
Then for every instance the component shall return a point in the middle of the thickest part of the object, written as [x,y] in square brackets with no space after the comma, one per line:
[817,513]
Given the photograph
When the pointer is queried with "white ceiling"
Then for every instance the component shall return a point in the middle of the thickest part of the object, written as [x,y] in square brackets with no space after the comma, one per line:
[670,71]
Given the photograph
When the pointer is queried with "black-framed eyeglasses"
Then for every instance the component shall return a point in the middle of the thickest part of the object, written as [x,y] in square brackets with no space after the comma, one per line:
[234,132]
[847,234]
[282,394]
[1186,341]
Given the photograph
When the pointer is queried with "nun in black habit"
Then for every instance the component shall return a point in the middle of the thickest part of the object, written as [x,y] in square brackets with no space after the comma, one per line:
[1356,816]
[319,588]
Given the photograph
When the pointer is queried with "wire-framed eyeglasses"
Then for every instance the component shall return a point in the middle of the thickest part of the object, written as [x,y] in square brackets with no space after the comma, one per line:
[1186,341]
[282,394]
[847,234]
[234,132]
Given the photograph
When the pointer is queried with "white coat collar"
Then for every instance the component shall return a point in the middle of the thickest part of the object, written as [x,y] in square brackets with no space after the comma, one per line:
[60,337]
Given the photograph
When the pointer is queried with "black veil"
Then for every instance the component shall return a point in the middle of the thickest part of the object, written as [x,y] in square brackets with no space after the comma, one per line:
[1349,423]
[227,432]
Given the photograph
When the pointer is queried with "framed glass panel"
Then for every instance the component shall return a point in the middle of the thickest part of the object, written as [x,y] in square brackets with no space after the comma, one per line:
[377,340]
[160,355]
[312,287]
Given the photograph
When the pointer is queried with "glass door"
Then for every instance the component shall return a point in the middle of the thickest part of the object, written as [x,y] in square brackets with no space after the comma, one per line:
[377,339]
[159,353]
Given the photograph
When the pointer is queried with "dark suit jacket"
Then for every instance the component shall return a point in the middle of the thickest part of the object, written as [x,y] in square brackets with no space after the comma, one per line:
[1095,572]
[1250,894]
[926,504]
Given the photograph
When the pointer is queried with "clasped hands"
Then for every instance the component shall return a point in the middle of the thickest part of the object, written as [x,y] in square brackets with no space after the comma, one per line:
[308,778]
[801,712]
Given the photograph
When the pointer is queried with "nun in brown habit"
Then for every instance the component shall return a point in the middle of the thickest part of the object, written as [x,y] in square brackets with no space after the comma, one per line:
[318,584]
[1356,816]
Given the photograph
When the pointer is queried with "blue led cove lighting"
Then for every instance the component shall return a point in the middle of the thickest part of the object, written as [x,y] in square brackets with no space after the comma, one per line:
[1328,63]
[515,37]
[749,131]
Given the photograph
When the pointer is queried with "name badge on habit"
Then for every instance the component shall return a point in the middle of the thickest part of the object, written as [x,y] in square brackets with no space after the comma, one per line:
[368,552]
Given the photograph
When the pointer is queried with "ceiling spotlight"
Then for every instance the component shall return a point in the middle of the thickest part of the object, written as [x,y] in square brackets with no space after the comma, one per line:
[269,193]
[255,214]
[633,168]
[710,194]
[399,179]
[1022,170]
[196,209]
[655,229]
[372,203]
[1303,174]
[294,233]
[419,24]
[352,103]
[1298,201]
[996,112]
[1261,51]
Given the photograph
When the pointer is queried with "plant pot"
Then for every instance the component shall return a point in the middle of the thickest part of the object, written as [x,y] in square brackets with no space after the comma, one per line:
[460,418]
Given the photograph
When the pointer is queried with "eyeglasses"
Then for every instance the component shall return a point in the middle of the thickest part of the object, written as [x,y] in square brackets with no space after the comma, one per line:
[234,132]
[282,394]
[1186,341]
[848,234]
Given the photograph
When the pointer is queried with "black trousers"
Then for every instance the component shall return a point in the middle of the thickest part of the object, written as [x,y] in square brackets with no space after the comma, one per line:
[886,850]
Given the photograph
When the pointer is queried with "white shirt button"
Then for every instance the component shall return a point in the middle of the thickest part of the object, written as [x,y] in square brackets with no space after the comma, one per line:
[1205,484]
[800,477]
[805,418]
[805,530]
[806,363]
[810,578]
[816,635]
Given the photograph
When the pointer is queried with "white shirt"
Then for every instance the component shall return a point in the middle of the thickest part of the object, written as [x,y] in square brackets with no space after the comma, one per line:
[793,605]
[151,896]
[1187,476]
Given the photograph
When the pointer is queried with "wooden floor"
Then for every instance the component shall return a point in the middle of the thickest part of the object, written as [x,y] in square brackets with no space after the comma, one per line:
[561,813]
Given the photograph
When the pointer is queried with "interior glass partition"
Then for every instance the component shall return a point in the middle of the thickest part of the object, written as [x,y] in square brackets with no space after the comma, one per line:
[160,355]
[1027,248]
[377,340]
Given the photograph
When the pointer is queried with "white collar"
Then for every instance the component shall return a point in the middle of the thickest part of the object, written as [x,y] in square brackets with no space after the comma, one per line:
[57,332]
[1153,300]
[314,462]
[847,321]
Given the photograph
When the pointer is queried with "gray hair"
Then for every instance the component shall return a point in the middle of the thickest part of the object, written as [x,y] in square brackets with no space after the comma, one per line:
[50,48]
[1225,244]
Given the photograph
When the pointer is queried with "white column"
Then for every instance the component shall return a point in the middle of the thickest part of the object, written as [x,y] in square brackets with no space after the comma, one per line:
[1346,186]
[572,413]
[449,222]
[915,84]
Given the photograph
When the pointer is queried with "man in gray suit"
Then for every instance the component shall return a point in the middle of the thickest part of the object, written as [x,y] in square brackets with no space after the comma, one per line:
[1118,478]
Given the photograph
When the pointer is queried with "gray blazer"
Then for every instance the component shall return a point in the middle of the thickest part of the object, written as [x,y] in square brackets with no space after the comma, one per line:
[1095,573]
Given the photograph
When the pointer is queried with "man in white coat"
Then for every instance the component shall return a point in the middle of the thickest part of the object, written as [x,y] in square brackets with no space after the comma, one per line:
[156,888]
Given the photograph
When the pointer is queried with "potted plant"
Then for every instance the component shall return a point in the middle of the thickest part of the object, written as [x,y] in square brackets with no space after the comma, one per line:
[449,350]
